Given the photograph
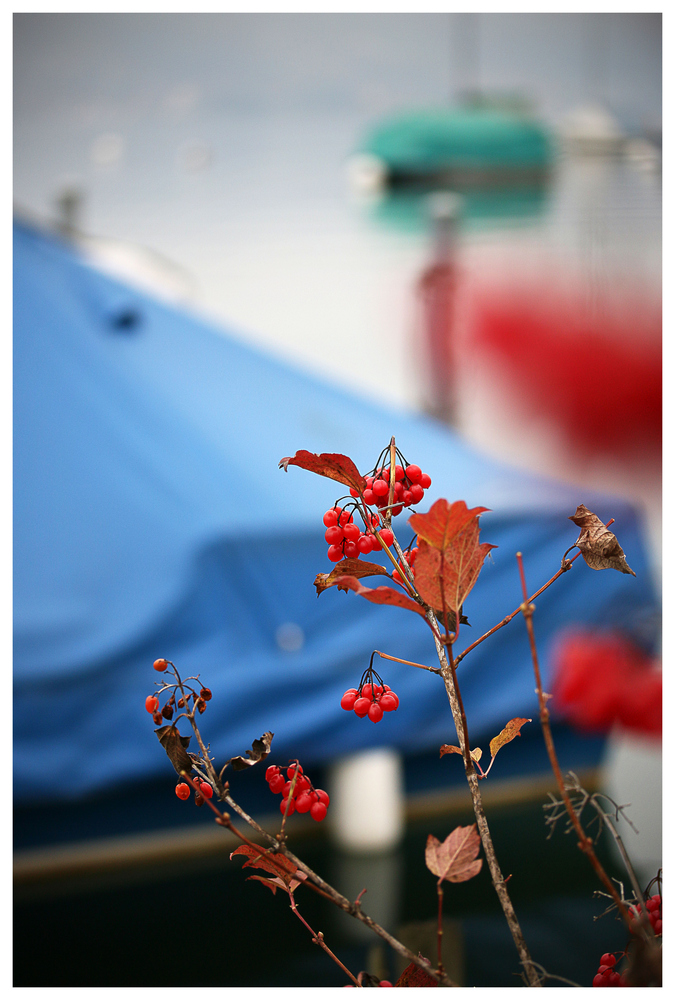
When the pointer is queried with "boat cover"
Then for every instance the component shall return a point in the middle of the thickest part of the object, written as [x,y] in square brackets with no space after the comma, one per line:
[151,519]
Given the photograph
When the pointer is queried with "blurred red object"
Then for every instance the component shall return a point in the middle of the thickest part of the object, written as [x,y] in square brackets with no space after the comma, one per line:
[592,368]
[603,680]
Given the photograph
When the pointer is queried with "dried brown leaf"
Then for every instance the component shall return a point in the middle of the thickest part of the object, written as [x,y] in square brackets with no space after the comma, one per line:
[454,860]
[333,466]
[443,522]
[357,568]
[175,745]
[508,733]
[260,749]
[597,544]
[446,748]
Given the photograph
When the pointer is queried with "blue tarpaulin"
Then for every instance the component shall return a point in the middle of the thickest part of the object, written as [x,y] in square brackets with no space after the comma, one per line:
[150,519]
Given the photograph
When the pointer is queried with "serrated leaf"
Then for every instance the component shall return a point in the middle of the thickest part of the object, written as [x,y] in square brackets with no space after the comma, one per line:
[379,595]
[284,872]
[508,733]
[449,575]
[597,544]
[259,750]
[348,567]
[476,754]
[443,522]
[414,976]
[454,860]
[333,466]
[175,745]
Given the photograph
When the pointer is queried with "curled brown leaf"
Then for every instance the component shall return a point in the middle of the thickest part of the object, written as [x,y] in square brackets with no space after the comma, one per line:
[259,750]
[175,745]
[598,545]
[475,754]
[508,733]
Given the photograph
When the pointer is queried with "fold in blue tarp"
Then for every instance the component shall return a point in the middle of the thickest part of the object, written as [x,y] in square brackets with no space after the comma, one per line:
[151,520]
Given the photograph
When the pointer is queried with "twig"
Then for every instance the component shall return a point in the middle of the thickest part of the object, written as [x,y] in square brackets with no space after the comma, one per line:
[585,842]
[397,659]
[318,939]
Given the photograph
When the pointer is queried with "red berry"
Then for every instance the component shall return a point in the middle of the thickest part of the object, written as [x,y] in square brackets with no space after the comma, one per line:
[304,802]
[206,790]
[284,804]
[413,473]
[374,544]
[335,553]
[608,959]
[653,903]
[395,511]
[331,516]
[290,771]
[151,703]
[160,664]
[351,531]
[417,492]
[385,982]
[387,536]
[352,551]
[362,706]
[375,712]
[345,518]
[318,811]
[369,496]
[367,691]
[271,772]
[183,791]
[334,534]
[388,703]
[398,473]
[407,498]
[353,492]
[380,488]
[323,797]
[277,784]
[365,544]
[658,926]
[348,699]
[425,481]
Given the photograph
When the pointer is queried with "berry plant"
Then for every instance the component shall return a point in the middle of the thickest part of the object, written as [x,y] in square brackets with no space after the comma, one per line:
[432,578]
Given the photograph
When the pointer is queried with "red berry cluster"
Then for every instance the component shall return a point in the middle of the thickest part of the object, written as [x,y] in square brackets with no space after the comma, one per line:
[654,912]
[345,538]
[205,792]
[410,483]
[607,974]
[372,697]
[304,797]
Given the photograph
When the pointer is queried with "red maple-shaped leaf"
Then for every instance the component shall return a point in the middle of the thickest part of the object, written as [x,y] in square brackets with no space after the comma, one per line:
[455,859]
[412,975]
[337,467]
[443,522]
[446,577]
[379,595]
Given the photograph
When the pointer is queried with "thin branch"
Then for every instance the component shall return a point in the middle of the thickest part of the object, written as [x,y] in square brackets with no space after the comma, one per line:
[318,939]
[397,659]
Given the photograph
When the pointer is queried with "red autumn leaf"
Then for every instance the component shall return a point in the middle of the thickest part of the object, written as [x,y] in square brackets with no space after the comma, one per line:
[508,733]
[379,595]
[455,859]
[337,467]
[348,567]
[414,976]
[277,865]
[443,522]
[275,883]
[449,575]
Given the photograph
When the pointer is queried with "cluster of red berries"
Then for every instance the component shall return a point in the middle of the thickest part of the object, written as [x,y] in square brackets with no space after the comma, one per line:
[410,484]
[345,538]
[654,912]
[299,796]
[372,698]
[205,792]
[607,974]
